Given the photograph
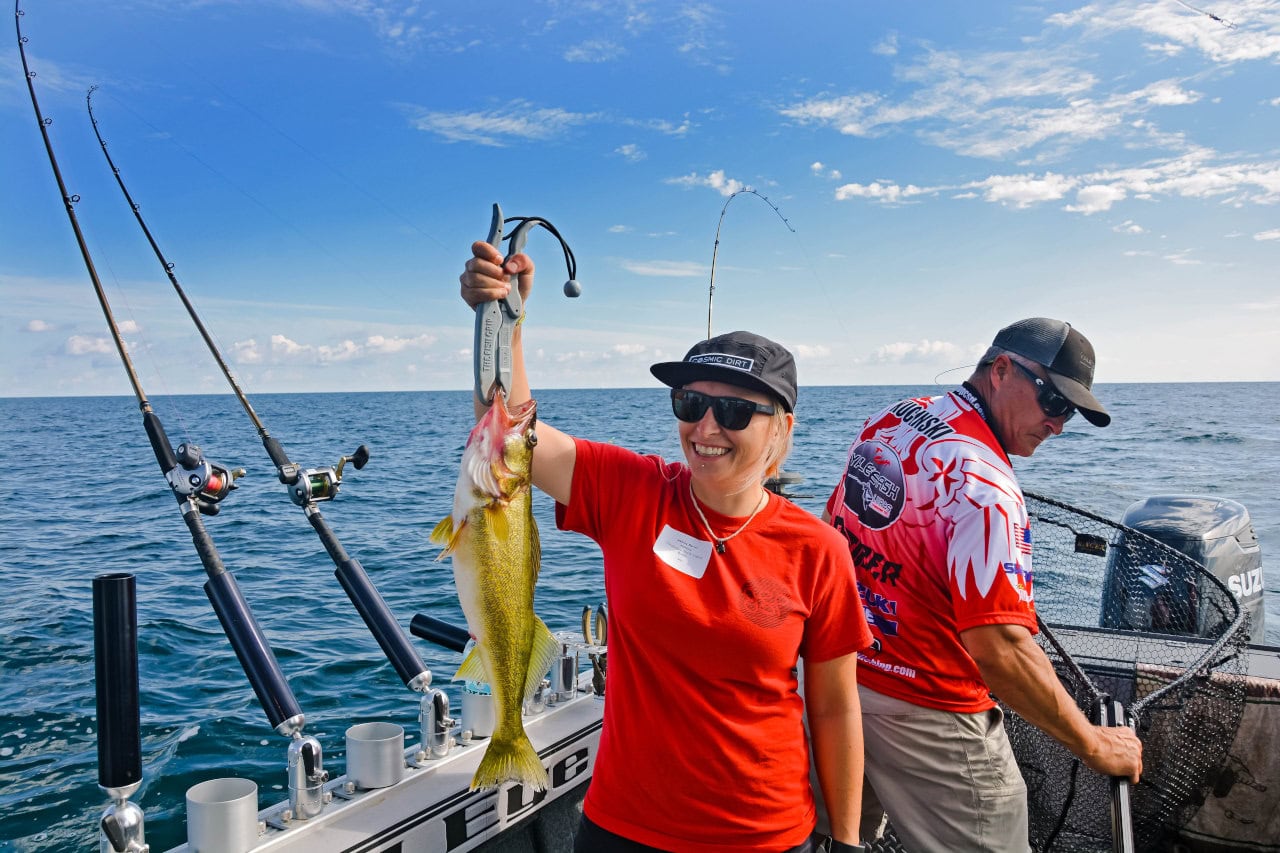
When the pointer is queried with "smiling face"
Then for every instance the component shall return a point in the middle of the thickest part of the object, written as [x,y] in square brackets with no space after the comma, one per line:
[1018,418]
[729,465]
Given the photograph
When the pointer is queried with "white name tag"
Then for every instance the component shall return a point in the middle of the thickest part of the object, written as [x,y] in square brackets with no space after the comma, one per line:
[683,552]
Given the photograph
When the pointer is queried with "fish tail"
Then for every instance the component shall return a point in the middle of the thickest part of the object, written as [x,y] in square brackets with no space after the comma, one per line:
[510,760]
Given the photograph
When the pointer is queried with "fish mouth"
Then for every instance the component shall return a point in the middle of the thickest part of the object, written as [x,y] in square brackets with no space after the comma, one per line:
[523,416]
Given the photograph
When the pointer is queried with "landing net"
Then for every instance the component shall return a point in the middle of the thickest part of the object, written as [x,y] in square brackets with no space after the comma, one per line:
[1126,616]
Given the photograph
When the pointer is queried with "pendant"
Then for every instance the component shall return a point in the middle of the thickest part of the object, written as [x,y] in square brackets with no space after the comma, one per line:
[719,546]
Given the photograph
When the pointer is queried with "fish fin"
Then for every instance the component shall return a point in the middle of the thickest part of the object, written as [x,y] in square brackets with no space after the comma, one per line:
[510,760]
[498,521]
[445,534]
[473,668]
[542,654]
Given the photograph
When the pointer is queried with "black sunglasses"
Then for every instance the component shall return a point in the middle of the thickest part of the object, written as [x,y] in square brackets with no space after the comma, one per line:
[1051,402]
[730,412]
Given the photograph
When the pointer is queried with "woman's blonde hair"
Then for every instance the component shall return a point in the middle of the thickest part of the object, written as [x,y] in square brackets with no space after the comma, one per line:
[780,447]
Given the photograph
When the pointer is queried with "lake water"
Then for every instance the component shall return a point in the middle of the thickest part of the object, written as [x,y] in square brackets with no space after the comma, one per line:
[81,494]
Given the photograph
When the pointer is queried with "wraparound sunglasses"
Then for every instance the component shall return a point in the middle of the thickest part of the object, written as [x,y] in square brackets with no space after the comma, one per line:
[730,412]
[1051,402]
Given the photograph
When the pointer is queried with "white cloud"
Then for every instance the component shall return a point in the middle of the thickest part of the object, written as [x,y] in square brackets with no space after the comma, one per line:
[666,269]
[879,191]
[246,352]
[594,50]
[1256,35]
[82,345]
[128,327]
[1273,234]
[39,326]
[715,180]
[620,229]
[347,350]
[812,350]
[1195,174]
[925,350]
[631,153]
[629,349]
[518,121]
[1181,258]
[382,344]
[887,46]
[1275,102]
[1096,198]
[822,171]
[286,347]
[1026,190]
[1129,227]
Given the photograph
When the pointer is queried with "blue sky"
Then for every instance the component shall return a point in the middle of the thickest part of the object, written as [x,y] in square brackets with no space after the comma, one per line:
[317,169]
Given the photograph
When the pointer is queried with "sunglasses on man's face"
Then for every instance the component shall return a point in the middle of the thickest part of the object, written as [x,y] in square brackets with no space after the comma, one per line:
[730,412]
[1052,403]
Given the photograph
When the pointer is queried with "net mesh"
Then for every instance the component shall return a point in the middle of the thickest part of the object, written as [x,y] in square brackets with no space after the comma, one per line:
[1177,664]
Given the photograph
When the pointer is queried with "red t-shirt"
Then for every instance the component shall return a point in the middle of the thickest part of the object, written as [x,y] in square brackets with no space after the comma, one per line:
[703,747]
[940,536]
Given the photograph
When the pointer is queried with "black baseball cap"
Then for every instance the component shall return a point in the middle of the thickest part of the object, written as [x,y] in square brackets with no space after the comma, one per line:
[738,358]
[1065,353]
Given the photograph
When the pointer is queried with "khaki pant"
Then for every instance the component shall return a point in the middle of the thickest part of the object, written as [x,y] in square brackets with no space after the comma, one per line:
[949,782]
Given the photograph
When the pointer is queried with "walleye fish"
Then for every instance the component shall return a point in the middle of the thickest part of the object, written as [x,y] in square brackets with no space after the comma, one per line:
[493,540]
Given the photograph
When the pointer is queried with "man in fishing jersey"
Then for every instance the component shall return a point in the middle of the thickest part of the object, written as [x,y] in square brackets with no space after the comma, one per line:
[940,536]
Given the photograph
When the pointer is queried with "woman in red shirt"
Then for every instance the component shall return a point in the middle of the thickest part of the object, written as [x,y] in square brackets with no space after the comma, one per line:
[715,588]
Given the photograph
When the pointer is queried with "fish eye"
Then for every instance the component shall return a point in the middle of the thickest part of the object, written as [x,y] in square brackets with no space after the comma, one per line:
[532,440]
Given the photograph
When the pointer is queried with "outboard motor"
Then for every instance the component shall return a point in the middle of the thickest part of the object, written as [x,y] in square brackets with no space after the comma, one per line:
[1216,533]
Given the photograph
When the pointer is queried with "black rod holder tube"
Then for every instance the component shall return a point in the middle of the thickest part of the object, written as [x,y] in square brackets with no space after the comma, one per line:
[373,609]
[256,657]
[440,632]
[115,668]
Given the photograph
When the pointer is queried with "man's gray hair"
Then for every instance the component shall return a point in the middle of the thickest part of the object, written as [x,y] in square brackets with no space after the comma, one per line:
[994,352]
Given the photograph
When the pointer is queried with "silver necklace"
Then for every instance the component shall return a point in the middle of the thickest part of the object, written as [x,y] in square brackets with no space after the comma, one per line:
[764,499]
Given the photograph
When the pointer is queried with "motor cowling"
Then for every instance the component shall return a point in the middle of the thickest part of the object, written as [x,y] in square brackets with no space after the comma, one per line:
[1142,595]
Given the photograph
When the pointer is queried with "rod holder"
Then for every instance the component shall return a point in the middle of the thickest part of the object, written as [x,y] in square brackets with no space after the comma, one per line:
[222,815]
[438,631]
[306,777]
[375,755]
[115,664]
[436,724]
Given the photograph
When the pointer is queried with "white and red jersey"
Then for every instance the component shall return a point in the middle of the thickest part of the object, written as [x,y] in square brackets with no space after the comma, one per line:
[939,533]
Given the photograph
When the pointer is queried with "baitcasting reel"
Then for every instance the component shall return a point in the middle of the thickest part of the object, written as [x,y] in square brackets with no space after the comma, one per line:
[319,484]
[205,482]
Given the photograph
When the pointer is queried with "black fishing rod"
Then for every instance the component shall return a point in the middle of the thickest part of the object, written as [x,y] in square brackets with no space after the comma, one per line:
[200,485]
[306,486]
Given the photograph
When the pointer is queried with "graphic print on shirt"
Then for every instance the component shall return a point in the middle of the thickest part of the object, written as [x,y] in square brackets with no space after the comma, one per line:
[765,602]
[873,485]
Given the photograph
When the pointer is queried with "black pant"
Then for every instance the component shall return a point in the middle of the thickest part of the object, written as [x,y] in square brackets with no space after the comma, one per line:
[594,839]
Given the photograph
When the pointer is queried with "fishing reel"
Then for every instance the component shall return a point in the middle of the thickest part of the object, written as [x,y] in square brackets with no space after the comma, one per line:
[319,484]
[205,482]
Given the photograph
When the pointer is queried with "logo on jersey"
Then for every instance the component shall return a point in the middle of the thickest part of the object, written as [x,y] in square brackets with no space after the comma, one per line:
[1020,579]
[873,485]
[878,610]
[1022,538]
